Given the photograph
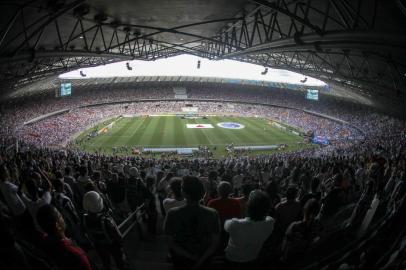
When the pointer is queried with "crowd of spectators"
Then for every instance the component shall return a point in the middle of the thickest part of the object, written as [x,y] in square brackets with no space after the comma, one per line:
[371,122]
[58,129]
[278,211]
[65,203]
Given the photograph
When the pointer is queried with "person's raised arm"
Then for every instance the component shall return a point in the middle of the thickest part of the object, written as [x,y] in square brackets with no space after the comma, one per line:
[48,184]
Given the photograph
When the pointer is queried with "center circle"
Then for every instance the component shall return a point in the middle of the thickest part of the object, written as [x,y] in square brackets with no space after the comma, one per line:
[230,125]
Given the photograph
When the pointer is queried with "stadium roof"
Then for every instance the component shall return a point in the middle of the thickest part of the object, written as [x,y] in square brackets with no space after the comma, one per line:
[358,44]
[186,65]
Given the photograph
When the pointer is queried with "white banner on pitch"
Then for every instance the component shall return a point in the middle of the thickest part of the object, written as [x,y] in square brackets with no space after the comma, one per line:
[199,126]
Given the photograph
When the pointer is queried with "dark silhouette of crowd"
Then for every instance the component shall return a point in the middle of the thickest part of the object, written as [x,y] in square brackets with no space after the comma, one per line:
[276,210]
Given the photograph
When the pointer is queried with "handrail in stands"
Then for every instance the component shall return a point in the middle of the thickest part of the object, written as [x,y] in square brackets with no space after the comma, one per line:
[128,219]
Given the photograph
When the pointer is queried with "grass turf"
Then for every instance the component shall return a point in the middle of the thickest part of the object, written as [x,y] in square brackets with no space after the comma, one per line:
[171,131]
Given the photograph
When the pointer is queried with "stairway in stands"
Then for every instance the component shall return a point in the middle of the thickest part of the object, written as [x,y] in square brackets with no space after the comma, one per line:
[180,92]
[150,253]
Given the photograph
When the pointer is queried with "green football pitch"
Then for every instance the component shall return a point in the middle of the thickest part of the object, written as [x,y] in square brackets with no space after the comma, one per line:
[172,131]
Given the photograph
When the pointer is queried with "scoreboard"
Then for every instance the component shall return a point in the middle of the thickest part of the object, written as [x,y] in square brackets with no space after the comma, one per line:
[64,90]
[312,94]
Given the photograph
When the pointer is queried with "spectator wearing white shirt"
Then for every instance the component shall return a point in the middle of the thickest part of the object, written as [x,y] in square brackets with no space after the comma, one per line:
[247,235]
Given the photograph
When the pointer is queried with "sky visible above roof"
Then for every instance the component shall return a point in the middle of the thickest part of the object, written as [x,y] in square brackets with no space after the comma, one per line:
[186,65]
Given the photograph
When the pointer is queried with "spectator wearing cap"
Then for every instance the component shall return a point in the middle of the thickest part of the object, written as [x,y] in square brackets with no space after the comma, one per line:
[247,235]
[103,231]
[193,228]
[60,249]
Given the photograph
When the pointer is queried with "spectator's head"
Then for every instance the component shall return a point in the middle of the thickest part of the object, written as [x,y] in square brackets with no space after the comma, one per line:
[91,186]
[114,177]
[176,186]
[51,221]
[134,172]
[212,175]
[96,176]
[93,202]
[338,179]
[58,175]
[32,188]
[150,181]
[68,170]
[311,209]
[272,189]
[192,189]
[224,189]
[246,190]
[58,185]
[315,184]
[258,205]
[4,174]
[83,171]
[291,193]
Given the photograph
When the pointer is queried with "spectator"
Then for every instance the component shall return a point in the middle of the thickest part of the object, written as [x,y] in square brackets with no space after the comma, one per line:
[193,228]
[12,255]
[334,199]
[62,251]
[246,190]
[287,212]
[274,198]
[247,235]
[162,191]
[82,180]
[177,199]
[314,192]
[302,234]
[103,231]
[226,207]
[10,193]
[117,193]
[34,199]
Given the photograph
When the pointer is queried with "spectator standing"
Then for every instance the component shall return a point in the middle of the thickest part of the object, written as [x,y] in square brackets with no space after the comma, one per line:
[61,249]
[103,231]
[247,235]
[287,212]
[176,198]
[193,228]
[301,234]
